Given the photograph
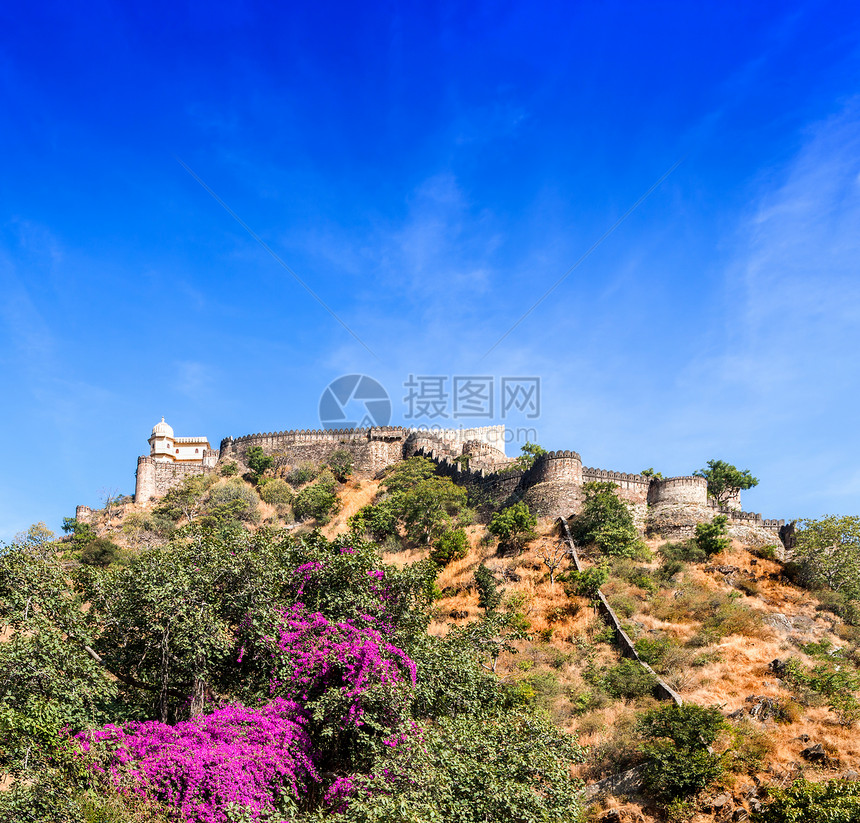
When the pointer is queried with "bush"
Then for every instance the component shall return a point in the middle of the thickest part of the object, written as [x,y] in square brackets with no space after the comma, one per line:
[712,537]
[276,492]
[450,546]
[301,474]
[489,595]
[99,552]
[606,522]
[676,741]
[834,801]
[317,501]
[379,521]
[585,583]
[514,525]
[340,463]
[233,499]
[228,469]
[628,679]
[258,462]
[686,551]
[840,605]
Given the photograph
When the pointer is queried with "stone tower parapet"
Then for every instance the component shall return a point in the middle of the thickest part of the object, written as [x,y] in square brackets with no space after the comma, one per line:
[687,490]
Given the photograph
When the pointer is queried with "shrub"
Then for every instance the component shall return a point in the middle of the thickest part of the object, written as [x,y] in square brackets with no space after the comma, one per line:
[840,605]
[585,583]
[258,462]
[489,595]
[233,499]
[638,576]
[628,679]
[623,605]
[99,552]
[276,492]
[712,537]
[834,801]
[450,546]
[514,525]
[379,520]
[606,522]
[676,742]
[686,551]
[341,465]
[228,469]
[317,501]
[747,585]
[301,474]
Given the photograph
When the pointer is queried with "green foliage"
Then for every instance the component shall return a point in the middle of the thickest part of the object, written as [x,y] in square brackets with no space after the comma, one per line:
[651,473]
[828,554]
[530,453]
[228,469]
[676,741]
[406,474]
[379,520]
[585,583]
[232,499]
[257,462]
[833,801]
[341,464]
[301,474]
[712,537]
[686,551]
[82,532]
[186,500]
[507,768]
[837,603]
[450,546]
[99,552]
[514,525]
[317,501]
[628,679]
[276,492]
[725,480]
[606,522]
[489,595]
[835,682]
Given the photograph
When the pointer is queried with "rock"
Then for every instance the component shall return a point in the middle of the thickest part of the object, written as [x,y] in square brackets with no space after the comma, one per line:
[629,782]
[740,814]
[803,623]
[763,706]
[777,667]
[779,622]
[814,754]
[720,801]
[612,816]
[755,805]
[851,775]
[459,614]
[803,738]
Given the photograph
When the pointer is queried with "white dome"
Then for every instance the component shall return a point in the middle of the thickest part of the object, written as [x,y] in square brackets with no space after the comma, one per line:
[162,429]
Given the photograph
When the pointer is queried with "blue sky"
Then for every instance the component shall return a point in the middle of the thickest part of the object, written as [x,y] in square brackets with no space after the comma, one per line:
[430,170]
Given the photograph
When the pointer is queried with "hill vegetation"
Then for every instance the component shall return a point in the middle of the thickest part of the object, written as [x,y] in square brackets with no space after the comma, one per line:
[307,644]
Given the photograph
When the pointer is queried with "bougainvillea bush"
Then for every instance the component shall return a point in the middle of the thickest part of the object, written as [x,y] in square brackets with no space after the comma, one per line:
[230,676]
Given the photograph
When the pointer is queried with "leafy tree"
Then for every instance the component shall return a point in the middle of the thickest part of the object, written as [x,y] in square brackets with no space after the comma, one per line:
[514,525]
[676,745]
[651,473]
[82,532]
[276,492]
[725,480]
[713,537]
[489,595]
[258,462]
[828,554]
[605,521]
[301,474]
[428,507]
[186,500]
[450,546]
[228,469]
[341,464]
[586,583]
[99,552]
[407,474]
[317,501]
[233,499]
[832,801]
[379,520]
[530,453]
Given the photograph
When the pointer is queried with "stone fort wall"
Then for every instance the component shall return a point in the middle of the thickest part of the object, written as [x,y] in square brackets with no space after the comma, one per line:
[155,478]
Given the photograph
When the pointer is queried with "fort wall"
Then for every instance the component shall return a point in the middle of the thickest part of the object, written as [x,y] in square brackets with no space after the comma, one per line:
[155,478]
[687,490]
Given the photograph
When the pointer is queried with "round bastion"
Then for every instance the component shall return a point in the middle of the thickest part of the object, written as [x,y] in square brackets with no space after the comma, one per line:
[685,490]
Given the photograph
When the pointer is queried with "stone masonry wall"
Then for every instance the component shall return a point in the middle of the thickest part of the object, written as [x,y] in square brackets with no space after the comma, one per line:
[155,478]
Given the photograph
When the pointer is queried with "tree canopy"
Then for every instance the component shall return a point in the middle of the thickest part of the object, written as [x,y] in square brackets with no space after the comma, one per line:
[725,480]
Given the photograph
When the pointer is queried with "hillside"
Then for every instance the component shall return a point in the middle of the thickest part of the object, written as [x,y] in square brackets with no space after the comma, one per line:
[729,630]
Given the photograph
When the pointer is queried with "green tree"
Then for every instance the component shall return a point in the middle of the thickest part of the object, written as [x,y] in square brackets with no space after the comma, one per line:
[725,480]
[406,474]
[341,464]
[651,473]
[428,507]
[489,594]
[832,801]
[606,522]
[450,546]
[828,554]
[100,552]
[318,501]
[713,537]
[514,526]
[530,453]
[258,462]
[676,744]
[186,500]
[276,492]
[377,520]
